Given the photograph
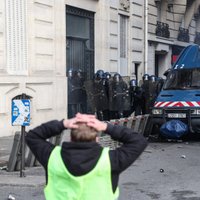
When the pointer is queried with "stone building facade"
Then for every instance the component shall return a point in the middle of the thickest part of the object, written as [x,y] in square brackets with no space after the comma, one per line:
[172,25]
[32,59]
[38,43]
[41,39]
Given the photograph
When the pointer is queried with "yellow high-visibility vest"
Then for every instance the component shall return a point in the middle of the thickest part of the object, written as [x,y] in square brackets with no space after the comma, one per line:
[95,185]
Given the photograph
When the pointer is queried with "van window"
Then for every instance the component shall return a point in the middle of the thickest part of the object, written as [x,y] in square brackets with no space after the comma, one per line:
[184,79]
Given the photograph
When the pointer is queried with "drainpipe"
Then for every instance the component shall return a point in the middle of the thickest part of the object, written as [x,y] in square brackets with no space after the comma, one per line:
[145,35]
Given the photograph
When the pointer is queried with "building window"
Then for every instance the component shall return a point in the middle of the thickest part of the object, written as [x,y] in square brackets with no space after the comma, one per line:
[80,40]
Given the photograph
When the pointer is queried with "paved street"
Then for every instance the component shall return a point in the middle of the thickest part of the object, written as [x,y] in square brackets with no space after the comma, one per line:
[142,181]
[179,181]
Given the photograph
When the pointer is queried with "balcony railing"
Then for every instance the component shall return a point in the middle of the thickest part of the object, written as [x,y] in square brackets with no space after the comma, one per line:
[183,35]
[162,29]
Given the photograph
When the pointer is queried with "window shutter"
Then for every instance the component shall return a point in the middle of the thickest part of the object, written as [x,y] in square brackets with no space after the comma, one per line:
[123,36]
[16,38]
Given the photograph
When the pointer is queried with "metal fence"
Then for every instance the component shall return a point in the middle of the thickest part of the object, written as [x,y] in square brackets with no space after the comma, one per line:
[138,124]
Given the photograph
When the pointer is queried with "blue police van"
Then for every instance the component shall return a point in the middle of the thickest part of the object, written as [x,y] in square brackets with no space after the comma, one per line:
[179,98]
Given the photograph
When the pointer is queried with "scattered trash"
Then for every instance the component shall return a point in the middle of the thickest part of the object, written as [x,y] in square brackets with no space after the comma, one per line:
[183,156]
[187,143]
[148,151]
[3,168]
[161,170]
[10,197]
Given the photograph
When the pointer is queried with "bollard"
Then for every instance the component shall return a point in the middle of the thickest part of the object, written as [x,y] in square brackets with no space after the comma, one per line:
[137,124]
[30,160]
[14,155]
[130,122]
[143,124]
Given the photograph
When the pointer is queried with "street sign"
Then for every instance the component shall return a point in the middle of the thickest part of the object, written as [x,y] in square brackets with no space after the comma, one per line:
[21,112]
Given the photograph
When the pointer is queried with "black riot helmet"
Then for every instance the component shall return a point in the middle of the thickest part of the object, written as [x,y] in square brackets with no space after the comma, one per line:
[107,75]
[153,78]
[99,74]
[145,77]
[79,73]
[117,77]
[70,73]
[133,83]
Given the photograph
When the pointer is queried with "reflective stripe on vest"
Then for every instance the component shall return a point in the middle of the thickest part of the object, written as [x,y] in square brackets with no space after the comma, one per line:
[95,185]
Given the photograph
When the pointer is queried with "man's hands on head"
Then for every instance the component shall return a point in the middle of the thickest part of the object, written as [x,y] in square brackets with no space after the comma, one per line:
[90,120]
[70,123]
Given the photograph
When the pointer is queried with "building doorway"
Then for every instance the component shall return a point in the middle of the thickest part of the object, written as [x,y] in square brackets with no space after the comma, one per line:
[160,63]
[79,56]
[157,65]
[176,50]
[80,40]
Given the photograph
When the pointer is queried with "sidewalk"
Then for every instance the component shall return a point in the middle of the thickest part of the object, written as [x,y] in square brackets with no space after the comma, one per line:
[34,176]
[5,149]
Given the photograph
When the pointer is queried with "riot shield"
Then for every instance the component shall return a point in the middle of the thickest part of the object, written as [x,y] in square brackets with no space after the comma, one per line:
[76,97]
[76,91]
[145,88]
[152,93]
[90,95]
[160,84]
[97,95]
[119,96]
[139,101]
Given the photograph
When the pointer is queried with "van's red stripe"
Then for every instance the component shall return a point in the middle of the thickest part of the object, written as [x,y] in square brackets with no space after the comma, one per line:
[178,104]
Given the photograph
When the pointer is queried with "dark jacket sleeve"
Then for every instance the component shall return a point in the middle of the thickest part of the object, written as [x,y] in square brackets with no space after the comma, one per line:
[36,140]
[133,144]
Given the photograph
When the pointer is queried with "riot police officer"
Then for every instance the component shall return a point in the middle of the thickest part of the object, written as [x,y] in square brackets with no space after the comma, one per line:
[160,83]
[100,95]
[106,79]
[153,83]
[119,97]
[146,94]
[97,95]
[145,77]
[138,98]
[106,83]
[99,74]
[132,88]
[80,79]
[76,93]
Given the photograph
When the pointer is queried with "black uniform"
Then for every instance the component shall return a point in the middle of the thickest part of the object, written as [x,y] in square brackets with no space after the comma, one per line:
[119,97]
[76,95]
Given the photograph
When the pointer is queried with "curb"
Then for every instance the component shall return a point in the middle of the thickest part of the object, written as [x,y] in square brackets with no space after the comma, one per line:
[29,181]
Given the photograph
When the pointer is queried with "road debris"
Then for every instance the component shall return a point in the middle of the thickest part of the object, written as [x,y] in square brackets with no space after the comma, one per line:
[183,156]
[3,168]
[161,170]
[10,197]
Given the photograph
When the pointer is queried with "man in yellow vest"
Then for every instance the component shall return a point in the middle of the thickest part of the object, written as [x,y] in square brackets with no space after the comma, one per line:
[82,169]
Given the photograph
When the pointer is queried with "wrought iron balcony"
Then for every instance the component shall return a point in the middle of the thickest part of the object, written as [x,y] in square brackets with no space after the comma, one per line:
[162,29]
[197,38]
[183,35]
